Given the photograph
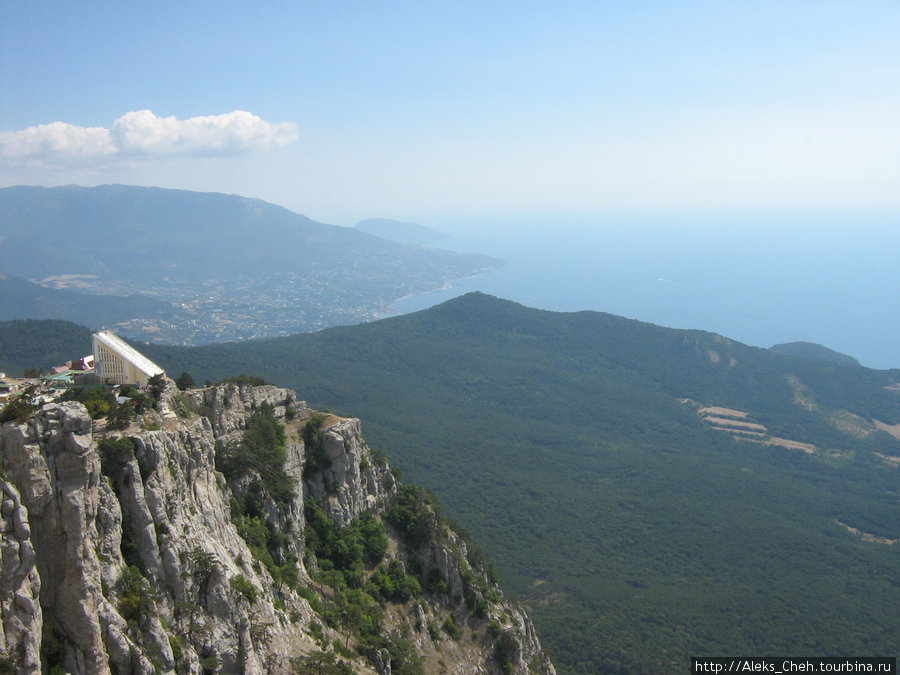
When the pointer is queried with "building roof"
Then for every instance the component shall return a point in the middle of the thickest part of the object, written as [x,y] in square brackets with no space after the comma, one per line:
[125,350]
[64,375]
[84,363]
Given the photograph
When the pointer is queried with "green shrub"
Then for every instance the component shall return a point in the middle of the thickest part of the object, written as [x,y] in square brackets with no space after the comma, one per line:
[361,613]
[315,602]
[393,583]
[244,588]
[451,628]
[405,660]
[417,515]
[251,380]
[185,381]
[135,601]
[139,400]
[53,646]
[115,453]
[267,544]
[346,549]
[253,531]
[176,644]
[316,459]
[262,450]
[504,649]
[181,406]
[372,535]
[97,400]
[315,630]
[209,663]
[378,456]
[339,648]
[157,385]
[18,410]
[204,566]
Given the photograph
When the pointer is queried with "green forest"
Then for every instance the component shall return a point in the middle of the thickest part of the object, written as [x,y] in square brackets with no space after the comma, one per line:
[570,445]
[40,344]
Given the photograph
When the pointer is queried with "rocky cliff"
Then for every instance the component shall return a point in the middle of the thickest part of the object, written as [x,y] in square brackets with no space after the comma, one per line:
[232,529]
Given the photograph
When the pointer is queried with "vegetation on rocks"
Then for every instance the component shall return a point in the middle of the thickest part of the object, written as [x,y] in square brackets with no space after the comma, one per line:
[183,559]
[19,409]
[260,451]
[316,459]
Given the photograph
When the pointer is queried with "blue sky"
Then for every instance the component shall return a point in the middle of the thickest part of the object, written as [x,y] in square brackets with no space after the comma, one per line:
[429,111]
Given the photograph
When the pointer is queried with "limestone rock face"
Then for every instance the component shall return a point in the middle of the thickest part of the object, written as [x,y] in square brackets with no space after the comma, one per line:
[20,584]
[128,550]
[351,483]
[229,404]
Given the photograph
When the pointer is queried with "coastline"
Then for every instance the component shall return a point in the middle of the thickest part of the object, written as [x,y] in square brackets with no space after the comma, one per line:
[391,310]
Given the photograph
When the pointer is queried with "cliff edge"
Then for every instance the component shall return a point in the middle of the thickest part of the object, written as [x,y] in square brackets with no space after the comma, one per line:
[231,529]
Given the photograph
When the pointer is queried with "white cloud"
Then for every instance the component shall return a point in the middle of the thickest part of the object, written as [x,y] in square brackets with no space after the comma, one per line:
[143,135]
[142,132]
[66,143]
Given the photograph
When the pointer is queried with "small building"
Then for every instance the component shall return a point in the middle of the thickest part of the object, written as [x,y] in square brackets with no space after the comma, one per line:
[117,362]
[8,390]
[84,364]
[59,380]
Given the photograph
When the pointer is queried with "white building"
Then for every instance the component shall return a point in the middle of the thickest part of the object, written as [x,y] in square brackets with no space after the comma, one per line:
[117,362]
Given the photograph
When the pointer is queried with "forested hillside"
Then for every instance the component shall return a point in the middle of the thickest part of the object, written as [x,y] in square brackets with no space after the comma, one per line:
[40,344]
[651,493]
[576,447]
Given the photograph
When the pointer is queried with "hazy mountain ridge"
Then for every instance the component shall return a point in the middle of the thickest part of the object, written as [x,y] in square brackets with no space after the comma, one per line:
[813,351]
[403,232]
[239,268]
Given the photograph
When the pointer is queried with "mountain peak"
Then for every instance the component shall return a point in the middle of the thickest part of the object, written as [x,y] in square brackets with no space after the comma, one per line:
[812,351]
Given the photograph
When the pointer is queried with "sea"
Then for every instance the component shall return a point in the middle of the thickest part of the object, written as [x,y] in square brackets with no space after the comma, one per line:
[758,278]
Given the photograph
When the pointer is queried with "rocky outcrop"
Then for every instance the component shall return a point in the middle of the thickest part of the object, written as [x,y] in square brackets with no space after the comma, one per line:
[20,585]
[130,551]
[349,483]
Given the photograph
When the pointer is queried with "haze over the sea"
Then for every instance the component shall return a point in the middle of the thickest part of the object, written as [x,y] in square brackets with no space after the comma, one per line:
[761,279]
